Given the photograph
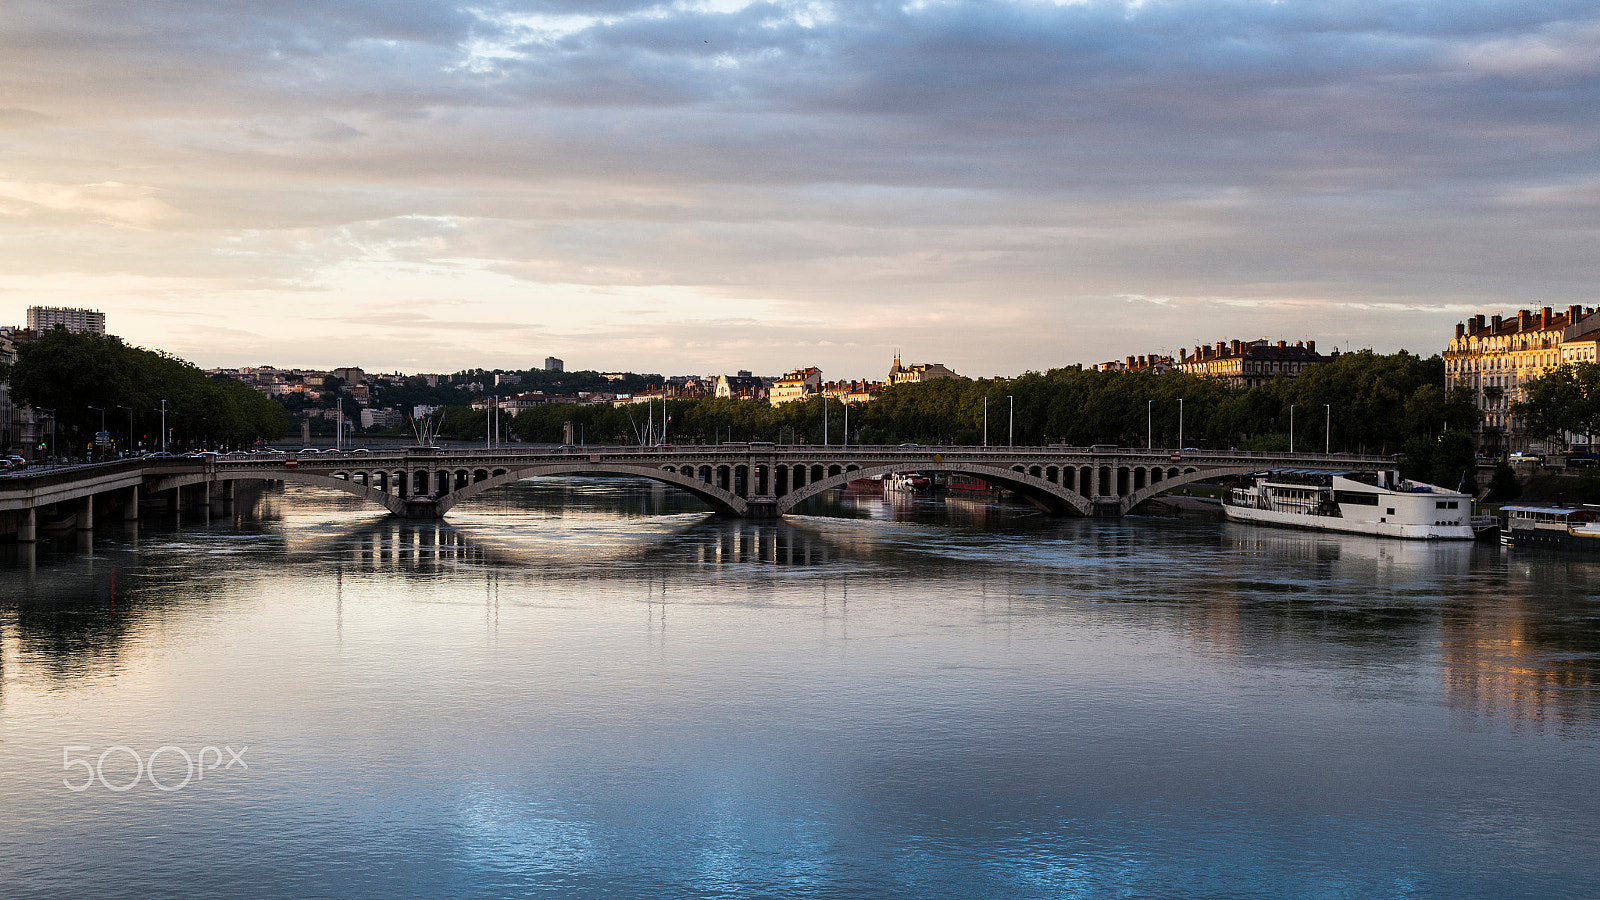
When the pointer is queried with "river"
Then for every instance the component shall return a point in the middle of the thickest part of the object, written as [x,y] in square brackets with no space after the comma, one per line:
[591,688]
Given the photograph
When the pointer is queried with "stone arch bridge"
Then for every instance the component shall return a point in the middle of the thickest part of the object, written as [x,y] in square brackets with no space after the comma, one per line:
[753,479]
[767,480]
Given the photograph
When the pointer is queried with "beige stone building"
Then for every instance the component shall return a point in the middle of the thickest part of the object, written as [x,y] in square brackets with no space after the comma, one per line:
[1247,364]
[1493,356]
[796,385]
[899,374]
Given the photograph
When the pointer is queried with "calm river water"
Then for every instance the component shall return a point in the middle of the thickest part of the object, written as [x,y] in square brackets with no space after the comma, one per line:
[588,688]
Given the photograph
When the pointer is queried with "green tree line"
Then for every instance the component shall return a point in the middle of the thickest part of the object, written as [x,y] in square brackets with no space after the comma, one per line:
[1563,401]
[68,373]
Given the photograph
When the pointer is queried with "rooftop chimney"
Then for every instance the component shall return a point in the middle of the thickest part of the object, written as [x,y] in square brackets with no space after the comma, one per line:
[1574,313]
[1461,329]
[1283,343]
[1545,316]
[1311,346]
[1524,319]
[1494,324]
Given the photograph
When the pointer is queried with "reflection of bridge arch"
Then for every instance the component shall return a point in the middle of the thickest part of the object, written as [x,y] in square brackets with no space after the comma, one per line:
[1050,497]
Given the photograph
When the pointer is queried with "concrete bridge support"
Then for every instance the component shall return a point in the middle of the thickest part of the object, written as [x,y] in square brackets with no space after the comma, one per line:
[130,513]
[28,528]
[86,514]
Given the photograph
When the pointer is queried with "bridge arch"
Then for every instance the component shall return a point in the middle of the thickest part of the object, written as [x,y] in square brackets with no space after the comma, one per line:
[719,499]
[1051,498]
[1178,477]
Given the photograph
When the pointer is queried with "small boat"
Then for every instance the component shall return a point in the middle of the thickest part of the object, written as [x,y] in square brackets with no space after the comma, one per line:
[1376,503]
[1570,528]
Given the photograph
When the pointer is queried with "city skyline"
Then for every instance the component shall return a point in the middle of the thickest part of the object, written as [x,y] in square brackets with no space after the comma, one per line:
[701,189]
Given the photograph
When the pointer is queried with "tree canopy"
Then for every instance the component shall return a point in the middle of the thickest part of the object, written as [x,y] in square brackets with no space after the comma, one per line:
[1564,400]
[1359,402]
[77,375]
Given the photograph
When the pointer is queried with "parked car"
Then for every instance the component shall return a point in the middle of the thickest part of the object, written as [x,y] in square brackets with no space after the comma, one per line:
[159,454]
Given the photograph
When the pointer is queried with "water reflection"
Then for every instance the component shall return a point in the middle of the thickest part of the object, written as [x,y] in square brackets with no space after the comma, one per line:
[598,689]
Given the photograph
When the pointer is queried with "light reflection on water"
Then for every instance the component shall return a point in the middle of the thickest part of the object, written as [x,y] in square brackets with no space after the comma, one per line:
[589,687]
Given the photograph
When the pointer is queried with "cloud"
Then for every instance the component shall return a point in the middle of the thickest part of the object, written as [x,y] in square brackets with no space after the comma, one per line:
[984,178]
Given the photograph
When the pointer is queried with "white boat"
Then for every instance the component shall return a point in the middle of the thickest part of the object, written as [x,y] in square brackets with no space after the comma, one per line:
[1375,503]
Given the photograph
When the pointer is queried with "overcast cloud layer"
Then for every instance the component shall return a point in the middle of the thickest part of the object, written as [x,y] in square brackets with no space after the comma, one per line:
[702,187]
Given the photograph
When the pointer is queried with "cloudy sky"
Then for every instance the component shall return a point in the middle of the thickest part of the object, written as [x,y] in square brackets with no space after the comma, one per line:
[703,187]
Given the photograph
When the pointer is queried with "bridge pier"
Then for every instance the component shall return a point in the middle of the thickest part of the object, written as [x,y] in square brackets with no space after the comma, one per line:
[761,508]
[130,513]
[86,514]
[28,528]
[420,508]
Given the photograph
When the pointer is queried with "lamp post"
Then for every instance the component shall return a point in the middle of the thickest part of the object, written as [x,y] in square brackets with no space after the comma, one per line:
[1180,424]
[102,411]
[52,429]
[1149,425]
[986,421]
[846,421]
[1291,426]
[129,447]
[163,426]
[1327,429]
[1011,424]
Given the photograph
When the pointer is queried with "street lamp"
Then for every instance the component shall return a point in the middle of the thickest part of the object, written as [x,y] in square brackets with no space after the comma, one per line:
[128,448]
[1011,424]
[1291,426]
[986,421]
[52,429]
[1149,425]
[102,411]
[846,421]
[1327,429]
[1180,423]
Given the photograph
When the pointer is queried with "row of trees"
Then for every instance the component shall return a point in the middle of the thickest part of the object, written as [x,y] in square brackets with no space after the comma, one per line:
[84,380]
[1563,401]
[1360,402]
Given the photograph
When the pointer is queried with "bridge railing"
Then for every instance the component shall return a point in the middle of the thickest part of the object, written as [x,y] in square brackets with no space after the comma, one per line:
[613,451]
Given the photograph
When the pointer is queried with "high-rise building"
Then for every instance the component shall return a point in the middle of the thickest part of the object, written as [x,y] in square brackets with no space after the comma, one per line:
[44,318]
[551,364]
